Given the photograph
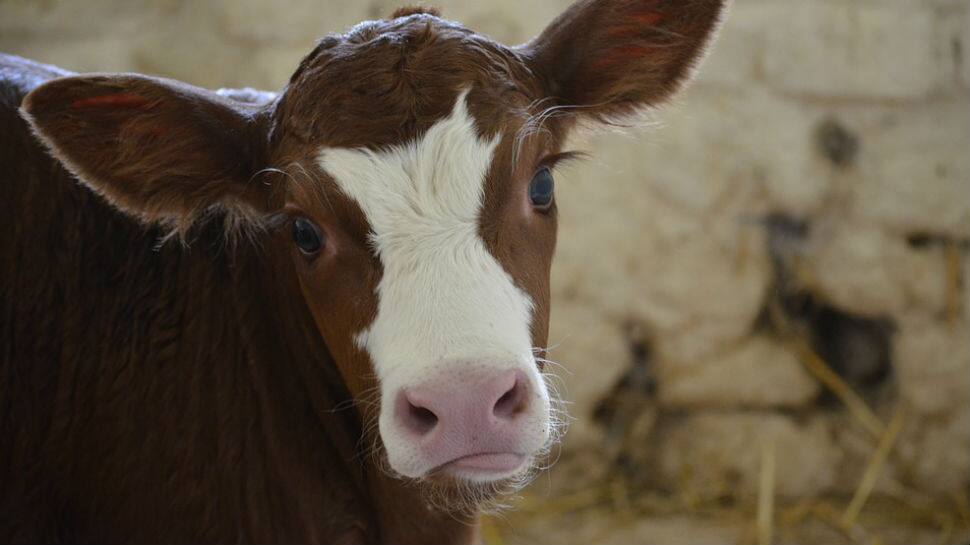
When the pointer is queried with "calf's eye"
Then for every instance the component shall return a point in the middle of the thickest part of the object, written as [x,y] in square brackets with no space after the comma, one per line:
[307,236]
[541,190]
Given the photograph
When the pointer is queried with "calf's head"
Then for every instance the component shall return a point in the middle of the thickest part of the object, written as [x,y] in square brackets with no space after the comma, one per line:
[407,168]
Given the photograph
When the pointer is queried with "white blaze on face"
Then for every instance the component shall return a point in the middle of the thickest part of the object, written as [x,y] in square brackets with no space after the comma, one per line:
[443,299]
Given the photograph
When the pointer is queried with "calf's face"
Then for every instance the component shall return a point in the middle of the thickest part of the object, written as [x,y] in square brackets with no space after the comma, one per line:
[458,292]
[408,170]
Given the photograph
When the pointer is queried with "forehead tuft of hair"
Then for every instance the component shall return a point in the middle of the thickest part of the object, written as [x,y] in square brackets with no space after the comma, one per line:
[406,11]
[384,82]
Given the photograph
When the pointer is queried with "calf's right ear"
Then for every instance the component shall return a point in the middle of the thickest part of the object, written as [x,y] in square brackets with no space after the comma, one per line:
[157,149]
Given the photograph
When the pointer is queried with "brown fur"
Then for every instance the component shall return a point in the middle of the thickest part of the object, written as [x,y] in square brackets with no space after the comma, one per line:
[210,392]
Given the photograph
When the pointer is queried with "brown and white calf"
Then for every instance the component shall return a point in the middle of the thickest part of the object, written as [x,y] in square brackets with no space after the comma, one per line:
[347,346]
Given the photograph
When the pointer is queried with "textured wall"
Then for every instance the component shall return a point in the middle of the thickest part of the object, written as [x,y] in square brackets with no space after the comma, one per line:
[809,194]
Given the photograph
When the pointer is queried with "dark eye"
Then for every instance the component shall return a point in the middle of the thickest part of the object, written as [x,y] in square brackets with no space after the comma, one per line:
[307,236]
[541,190]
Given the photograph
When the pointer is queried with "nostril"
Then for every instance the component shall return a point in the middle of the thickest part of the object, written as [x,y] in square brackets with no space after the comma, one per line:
[423,419]
[419,420]
[513,401]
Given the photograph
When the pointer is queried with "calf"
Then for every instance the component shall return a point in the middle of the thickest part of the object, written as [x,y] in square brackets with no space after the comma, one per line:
[317,316]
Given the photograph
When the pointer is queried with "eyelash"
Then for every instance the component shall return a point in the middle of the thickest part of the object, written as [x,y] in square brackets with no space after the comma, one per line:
[559,159]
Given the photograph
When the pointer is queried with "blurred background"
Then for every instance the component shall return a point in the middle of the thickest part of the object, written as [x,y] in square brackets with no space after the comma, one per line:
[760,302]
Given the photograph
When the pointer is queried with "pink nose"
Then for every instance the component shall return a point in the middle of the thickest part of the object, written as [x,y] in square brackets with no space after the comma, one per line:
[475,415]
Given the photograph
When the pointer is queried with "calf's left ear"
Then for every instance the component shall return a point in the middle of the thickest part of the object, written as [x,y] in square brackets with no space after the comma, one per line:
[606,59]
[157,149]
